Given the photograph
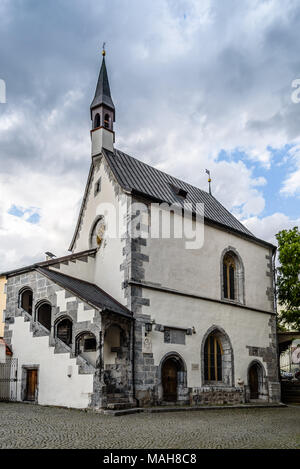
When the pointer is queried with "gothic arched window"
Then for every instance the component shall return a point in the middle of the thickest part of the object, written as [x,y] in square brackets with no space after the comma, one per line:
[232,276]
[213,359]
[97,121]
[229,277]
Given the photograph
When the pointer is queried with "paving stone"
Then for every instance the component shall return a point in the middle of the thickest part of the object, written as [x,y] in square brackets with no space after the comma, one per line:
[32,426]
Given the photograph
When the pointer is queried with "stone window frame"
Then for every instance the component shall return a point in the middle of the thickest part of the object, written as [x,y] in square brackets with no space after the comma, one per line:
[37,307]
[20,294]
[239,276]
[56,323]
[78,338]
[227,358]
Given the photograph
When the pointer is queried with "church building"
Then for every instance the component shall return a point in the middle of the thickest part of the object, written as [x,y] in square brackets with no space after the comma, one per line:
[131,318]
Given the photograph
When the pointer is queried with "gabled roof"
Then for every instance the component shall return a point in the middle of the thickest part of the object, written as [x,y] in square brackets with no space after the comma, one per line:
[146,180]
[88,292]
[102,94]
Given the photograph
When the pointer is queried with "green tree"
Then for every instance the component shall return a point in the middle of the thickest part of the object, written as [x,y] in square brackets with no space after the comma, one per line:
[288,278]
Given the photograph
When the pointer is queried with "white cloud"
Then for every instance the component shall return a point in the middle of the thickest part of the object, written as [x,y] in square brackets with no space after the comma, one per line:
[267,227]
[188,79]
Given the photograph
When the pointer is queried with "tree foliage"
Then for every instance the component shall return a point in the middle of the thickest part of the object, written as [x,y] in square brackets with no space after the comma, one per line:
[288,278]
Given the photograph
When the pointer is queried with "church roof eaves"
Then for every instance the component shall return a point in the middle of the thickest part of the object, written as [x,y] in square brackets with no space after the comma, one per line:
[50,262]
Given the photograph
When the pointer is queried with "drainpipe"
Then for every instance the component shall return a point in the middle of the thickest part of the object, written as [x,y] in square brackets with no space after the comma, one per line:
[133,357]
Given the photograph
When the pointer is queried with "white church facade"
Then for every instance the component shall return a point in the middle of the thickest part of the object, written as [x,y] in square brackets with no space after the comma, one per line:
[136,320]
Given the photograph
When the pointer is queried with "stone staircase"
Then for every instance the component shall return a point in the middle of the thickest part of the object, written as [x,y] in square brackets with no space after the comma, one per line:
[119,401]
[38,330]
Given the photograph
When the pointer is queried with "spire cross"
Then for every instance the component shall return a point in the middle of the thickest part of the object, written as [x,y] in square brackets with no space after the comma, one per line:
[103,49]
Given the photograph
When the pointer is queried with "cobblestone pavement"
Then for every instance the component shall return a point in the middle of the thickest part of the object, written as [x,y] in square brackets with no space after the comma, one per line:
[30,426]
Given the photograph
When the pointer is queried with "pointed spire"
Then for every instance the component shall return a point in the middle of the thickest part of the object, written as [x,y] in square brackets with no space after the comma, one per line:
[102,94]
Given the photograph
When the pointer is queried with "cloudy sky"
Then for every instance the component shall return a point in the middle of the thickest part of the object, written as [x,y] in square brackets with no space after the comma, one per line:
[196,84]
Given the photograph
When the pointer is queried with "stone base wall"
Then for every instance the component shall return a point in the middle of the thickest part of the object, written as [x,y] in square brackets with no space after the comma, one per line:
[217,396]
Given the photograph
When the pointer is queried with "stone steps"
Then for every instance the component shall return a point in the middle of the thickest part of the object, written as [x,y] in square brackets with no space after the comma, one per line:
[38,330]
[119,405]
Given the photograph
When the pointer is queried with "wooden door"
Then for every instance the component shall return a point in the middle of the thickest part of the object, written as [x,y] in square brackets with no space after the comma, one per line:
[31,385]
[253,382]
[169,381]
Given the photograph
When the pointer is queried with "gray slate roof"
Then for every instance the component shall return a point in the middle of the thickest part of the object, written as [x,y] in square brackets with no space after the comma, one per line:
[102,94]
[146,180]
[87,291]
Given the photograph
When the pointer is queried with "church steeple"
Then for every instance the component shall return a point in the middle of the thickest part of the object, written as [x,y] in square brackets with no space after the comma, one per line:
[102,113]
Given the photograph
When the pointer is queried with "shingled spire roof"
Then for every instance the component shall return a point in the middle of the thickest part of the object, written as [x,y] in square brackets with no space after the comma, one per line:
[102,94]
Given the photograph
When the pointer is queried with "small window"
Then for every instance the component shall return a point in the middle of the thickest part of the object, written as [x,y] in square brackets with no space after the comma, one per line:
[106,121]
[97,121]
[179,192]
[44,315]
[85,342]
[213,359]
[64,331]
[26,300]
[97,187]
[90,344]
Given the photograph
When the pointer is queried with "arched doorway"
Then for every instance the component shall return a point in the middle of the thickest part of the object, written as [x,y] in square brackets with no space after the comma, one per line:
[253,381]
[169,380]
[173,378]
[256,381]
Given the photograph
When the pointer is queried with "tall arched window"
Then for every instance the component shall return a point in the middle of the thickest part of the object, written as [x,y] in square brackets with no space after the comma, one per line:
[232,276]
[64,331]
[97,121]
[26,297]
[213,359]
[43,315]
[229,277]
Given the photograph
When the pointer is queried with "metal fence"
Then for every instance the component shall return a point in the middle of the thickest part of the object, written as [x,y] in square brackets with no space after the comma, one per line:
[9,380]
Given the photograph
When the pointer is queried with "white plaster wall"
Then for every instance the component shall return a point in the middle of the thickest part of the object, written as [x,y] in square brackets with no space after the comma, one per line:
[102,138]
[106,274]
[243,328]
[78,269]
[54,386]
[197,271]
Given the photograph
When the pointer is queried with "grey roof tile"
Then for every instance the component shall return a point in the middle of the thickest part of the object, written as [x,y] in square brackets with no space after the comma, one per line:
[133,174]
[87,291]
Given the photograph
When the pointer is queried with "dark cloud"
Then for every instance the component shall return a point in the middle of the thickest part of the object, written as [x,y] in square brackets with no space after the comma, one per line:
[188,78]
